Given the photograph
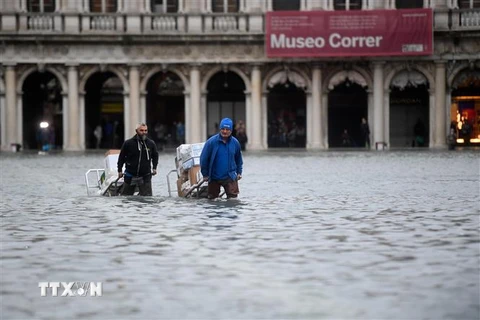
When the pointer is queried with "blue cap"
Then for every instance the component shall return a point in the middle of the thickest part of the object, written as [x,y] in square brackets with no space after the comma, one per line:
[226,123]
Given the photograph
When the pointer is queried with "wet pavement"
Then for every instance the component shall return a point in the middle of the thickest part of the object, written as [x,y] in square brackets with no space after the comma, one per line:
[314,235]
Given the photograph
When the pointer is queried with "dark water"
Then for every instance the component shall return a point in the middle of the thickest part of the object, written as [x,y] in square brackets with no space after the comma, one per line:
[344,235]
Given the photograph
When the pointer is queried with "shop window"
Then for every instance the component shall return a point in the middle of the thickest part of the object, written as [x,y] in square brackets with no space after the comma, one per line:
[468,4]
[103,6]
[41,5]
[408,4]
[347,4]
[286,5]
[224,6]
[164,6]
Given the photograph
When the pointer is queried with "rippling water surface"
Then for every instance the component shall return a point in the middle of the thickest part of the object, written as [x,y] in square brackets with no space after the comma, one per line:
[344,235]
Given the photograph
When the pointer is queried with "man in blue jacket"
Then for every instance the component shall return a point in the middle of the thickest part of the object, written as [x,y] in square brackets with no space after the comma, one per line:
[221,161]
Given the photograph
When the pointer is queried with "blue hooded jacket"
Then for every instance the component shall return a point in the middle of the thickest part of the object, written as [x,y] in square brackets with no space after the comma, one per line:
[209,152]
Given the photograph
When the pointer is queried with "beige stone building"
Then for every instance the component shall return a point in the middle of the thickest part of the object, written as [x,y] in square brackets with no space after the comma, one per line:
[182,65]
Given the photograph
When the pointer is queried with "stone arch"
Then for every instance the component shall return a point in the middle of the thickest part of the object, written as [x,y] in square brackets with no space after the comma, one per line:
[459,69]
[403,117]
[54,71]
[396,70]
[233,69]
[115,70]
[152,72]
[367,79]
[280,69]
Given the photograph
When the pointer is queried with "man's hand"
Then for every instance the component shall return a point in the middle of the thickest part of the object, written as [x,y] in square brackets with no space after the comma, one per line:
[205,178]
[120,174]
[154,172]
[239,176]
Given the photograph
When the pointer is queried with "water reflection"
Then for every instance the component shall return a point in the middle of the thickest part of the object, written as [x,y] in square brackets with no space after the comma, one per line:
[313,235]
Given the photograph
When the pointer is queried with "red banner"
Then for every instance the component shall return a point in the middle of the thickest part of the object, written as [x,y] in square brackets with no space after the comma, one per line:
[406,32]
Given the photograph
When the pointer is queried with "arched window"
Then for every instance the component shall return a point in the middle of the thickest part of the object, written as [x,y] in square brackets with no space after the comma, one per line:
[41,5]
[224,6]
[164,6]
[468,4]
[286,5]
[408,4]
[347,4]
[103,6]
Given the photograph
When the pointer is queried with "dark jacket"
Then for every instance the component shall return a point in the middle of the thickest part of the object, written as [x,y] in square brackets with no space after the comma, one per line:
[139,156]
[209,152]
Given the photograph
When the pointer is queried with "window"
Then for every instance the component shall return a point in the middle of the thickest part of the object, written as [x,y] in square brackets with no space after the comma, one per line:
[103,6]
[285,5]
[468,4]
[164,6]
[408,4]
[225,6]
[41,5]
[347,5]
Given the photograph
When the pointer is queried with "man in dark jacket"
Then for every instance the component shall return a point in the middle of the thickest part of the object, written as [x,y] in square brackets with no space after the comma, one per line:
[140,156]
[221,162]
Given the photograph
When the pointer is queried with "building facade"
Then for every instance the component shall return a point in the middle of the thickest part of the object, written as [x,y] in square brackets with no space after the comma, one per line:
[182,65]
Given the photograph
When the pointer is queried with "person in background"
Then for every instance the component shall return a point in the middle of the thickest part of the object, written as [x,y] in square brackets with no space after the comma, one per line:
[241,134]
[221,162]
[419,132]
[346,140]
[98,133]
[365,129]
[451,139]
[180,132]
[140,156]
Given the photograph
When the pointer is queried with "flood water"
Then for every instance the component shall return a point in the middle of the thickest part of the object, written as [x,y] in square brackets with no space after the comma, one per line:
[314,235]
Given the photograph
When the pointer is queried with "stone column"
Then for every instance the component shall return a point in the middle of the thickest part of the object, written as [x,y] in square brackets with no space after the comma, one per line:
[248,113]
[264,121]
[81,103]
[309,121]
[194,128]
[65,116]
[386,99]
[371,112]
[316,140]
[19,113]
[3,144]
[324,120]
[187,120]
[255,141]
[143,107]
[378,107]
[203,115]
[74,120]
[11,106]
[129,129]
[134,101]
[440,105]
[431,118]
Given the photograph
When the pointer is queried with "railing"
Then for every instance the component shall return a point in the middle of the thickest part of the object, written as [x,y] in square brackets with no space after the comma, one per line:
[40,22]
[103,23]
[193,23]
[106,22]
[154,23]
[469,18]
[228,23]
